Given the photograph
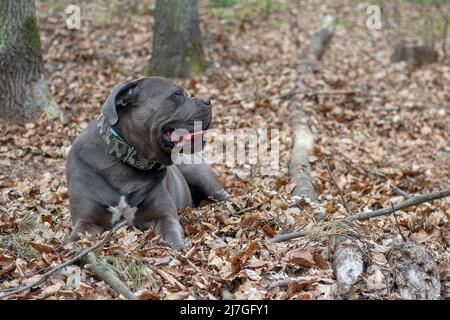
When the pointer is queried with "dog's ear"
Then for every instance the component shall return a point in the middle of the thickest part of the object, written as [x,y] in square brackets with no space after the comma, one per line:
[123,96]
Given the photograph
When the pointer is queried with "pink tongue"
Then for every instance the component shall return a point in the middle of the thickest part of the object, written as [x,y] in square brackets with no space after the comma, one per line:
[187,137]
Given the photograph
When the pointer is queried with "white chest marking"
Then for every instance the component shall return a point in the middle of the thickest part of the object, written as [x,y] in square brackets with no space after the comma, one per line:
[122,210]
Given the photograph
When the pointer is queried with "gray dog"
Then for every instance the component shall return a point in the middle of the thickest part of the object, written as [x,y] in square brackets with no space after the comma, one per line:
[121,166]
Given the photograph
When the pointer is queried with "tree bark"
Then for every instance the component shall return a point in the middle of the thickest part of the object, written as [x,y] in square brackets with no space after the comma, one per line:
[23,88]
[416,272]
[177,43]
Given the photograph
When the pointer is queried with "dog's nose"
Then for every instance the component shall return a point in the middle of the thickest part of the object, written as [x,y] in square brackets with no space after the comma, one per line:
[206,102]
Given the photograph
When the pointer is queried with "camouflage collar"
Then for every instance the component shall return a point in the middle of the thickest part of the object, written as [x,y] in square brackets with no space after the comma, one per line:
[117,147]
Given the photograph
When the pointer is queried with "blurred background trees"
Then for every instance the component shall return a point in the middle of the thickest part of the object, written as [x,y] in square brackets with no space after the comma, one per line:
[177,42]
[181,41]
[426,21]
[23,88]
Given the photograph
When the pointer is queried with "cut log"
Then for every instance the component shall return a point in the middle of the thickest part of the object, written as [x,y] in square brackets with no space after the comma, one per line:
[415,271]
[319,44]
[348,266]
[414,54]
[303,137]
[299,167]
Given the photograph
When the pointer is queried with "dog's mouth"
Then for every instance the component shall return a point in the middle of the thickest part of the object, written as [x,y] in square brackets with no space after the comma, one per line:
[181,136]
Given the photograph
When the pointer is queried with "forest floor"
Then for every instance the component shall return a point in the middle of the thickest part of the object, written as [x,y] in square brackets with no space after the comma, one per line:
[393,131]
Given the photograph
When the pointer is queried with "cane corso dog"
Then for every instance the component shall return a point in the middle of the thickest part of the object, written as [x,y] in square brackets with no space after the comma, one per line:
[121,166]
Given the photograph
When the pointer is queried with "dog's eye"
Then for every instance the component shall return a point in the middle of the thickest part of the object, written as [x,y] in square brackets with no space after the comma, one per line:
[179,93]
[178,96]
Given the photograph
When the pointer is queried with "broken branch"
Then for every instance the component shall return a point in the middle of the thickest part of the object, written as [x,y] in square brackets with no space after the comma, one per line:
[413,201]
[65,264]
[109,277]
[399,191]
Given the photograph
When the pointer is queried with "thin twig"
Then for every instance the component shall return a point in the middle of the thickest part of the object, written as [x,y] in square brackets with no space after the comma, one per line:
[8,245]
[67,263]
[246,210]
[397,223]
[288,236]
[344,203]
[414,201]
[294,92]
[399,191]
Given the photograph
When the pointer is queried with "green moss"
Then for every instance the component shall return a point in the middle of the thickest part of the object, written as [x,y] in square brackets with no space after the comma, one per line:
[224,13]
[343,23]
[195,61]
[243,9]
[198,65]
[105,18]
[59,5]
[31,34]
[151,71]
[223,3]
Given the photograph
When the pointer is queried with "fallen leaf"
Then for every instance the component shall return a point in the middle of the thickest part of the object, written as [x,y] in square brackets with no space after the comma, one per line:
[42,248]
[301,257]
[257,264]
[163,260]
[148,295]
[444,271]
[235,263]
[251,249]
[6,260]
[320,261]
[269,231]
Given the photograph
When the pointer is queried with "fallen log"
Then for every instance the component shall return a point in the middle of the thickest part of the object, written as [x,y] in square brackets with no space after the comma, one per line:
[303,137]
[319,44]
[415,272]
[415,55]
[348,261]
[299,166]
[348,266]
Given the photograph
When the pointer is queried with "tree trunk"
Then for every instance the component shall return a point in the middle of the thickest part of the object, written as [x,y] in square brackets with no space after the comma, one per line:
[23,89]
[177,43]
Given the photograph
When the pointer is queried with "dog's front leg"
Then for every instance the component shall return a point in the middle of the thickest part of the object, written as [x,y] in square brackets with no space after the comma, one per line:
[159,211]
[171,231]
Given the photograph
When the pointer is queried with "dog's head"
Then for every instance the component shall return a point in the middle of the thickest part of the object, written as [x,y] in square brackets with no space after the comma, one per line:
[148,111]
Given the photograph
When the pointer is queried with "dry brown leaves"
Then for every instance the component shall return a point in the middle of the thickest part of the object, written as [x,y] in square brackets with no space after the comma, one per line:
[396,132]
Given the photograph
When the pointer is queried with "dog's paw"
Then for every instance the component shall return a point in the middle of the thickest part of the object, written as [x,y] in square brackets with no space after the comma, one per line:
[222,195]
[177,245]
